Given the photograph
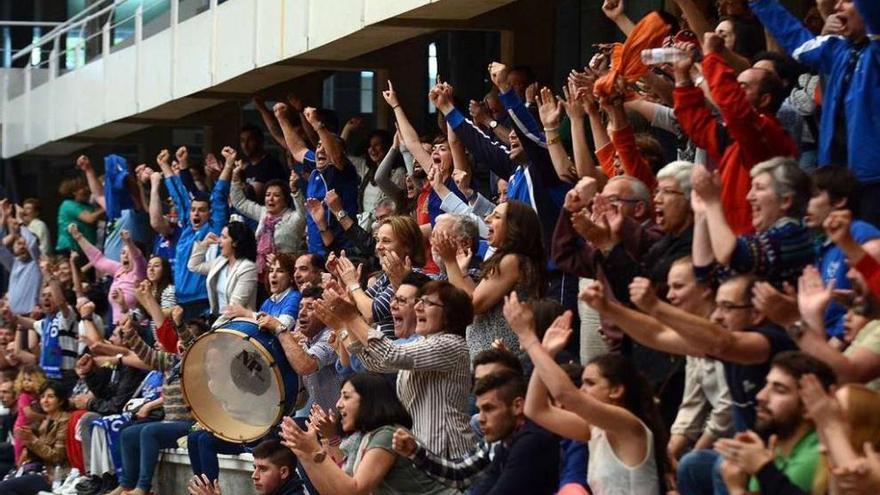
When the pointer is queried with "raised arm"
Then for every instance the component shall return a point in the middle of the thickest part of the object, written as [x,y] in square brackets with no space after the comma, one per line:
[158,222]
[613,419]
[714,340]
[540,409]
[85,165]
[295,144]
[330,141]
[248,208]
[197,259]
[613,10]
[269,120]
[707,190]
[644,329]
[383,172]
[96,257]
[407,131]
[859,364]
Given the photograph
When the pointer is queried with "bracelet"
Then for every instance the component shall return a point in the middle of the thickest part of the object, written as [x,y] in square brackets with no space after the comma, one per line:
[353,287]
[553,140]
[334,441]
[395,107]
[551,129]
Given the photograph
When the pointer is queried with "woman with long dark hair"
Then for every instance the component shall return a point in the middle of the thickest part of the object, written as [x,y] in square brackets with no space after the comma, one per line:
[518,264]
[433,372]
[232,276]
[45,447]
[614,410]
[367,405]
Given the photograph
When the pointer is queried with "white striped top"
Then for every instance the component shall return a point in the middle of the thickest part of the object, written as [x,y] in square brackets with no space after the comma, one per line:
[432,383]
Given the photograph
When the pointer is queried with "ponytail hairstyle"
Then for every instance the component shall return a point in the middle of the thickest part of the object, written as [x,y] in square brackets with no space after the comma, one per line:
[638,398]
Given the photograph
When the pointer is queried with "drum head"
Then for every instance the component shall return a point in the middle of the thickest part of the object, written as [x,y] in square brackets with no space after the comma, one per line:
[231,385]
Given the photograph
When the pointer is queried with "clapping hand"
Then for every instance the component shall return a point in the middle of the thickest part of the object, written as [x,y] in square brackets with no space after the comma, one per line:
[303,443]
[558,333]
[202,485]
[324,421]
[520,318]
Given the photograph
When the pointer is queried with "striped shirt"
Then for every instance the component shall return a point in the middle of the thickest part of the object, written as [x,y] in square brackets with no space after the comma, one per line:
[59,342]
[381,292]
[169,364]
[433,385]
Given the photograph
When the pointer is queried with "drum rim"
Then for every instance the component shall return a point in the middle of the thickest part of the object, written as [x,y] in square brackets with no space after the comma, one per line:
[273,365]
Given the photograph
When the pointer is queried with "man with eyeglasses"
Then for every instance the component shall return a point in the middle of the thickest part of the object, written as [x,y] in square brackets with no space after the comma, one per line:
[742,338]
[403,315]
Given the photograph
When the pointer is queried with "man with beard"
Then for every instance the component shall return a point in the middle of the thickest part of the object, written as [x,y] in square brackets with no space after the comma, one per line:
[781,413]
[738,335]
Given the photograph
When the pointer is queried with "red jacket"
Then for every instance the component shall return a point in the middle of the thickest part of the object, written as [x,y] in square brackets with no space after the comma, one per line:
[745,138]
[869,267]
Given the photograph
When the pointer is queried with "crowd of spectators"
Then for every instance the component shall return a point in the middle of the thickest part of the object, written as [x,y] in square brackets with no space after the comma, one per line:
[669,283]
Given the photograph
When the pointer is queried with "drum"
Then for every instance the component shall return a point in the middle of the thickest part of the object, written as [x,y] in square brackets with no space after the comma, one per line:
[237,381]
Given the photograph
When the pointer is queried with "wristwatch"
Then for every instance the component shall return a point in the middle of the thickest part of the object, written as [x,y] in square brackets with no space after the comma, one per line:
[341,214]
[493,124]
[319,456]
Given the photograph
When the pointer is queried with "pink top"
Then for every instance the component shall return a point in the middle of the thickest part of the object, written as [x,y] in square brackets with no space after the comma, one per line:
[126,281]
[25,399]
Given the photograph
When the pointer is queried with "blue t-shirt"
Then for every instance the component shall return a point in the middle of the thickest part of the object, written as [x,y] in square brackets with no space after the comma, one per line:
[832,265]
[346,183]
[746,380]
[287,305]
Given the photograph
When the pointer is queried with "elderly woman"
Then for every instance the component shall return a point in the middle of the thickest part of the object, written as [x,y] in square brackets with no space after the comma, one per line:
[782,245]
[281,221]
[400,248]
[434,371]
[232,276]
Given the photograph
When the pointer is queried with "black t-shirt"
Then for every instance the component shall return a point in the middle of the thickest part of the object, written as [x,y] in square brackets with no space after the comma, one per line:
[746,380]
[529,465]
[263,171]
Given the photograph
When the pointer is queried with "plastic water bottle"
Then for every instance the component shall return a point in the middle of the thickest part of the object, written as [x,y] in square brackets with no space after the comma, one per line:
[56,479]
[657,56]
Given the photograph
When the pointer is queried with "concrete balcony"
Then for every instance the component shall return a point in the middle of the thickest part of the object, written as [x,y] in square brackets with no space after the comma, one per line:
[226,52]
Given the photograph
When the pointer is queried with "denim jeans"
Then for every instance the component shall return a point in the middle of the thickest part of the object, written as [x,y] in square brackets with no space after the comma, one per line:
[25,485]
[140,450]
[699,473]
[203,448]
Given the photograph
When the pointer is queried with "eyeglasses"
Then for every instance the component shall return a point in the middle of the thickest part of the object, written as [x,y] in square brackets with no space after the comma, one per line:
[668,192]
[429,303]
[727,307]
[618,199]
[400,300]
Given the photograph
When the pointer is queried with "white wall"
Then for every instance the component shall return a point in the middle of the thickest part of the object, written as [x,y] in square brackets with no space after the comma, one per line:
[197,54]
